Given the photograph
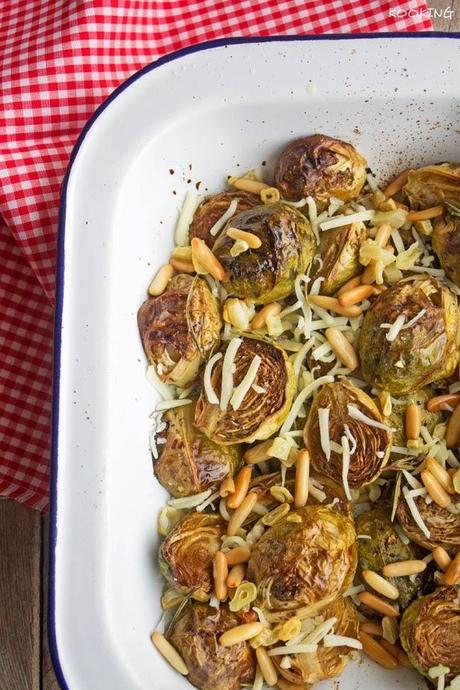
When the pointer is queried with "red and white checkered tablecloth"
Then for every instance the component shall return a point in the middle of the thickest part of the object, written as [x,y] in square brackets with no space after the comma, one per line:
[58,60]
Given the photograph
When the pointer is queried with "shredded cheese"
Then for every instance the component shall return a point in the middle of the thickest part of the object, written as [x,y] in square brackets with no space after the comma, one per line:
[340,221]
[415,512]
[209,390]
[227,372]
[189,501]
[293,649]
[170,404]
[165,391]
[219,224]
[394,329]
[345,465]
[412,481]
[361,417]
[302,396]
[323,420]
[342,641]
[313,216]
[249,378]
[190,205]
[213,497]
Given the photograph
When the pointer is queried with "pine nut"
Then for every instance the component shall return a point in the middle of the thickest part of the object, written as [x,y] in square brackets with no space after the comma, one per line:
[220,573]
[258,453]
[251,240]
[168,652]
[333,304]
[441,474]
[443,402]
[206,259]
[377,604]
[302,473]
[246,185]
[349,285]
[376,651]
[182,265]
[385,403]
[413,421]
[383,235]
[227,487]
[242,481]
[397,184]
[240,633]
[162,278]
[370,274]
[260,318]
[355,295]
[397,652]
[182,253]
[452,576]
[270,195]
[390,647]
[237,313]
[238,555]
[434,488]
[236,575]
[266,666]
[442,558]
[426,214]
[380,585]
[372,628]
[241,513]
[404,568]
[390,629]
[342,348]
[452,437]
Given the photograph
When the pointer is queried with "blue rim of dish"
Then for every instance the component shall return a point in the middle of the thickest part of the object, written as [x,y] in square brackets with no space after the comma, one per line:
[52,637]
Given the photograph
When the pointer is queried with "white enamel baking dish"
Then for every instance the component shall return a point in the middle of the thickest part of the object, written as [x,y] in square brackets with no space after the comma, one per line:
[192,117]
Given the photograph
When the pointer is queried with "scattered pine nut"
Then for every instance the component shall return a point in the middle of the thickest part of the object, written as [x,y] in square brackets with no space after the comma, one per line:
[452,437]
[380,585]
[355,295]
[182,265]
[342,348]
[333,304]
[241,513]
[236,575]
[377,604]
[302,473]
[442,558]
[452,575]
[404,568]
[160,281]
[260,318]
[372,628]
[383,235]
[251,240]
[434,488]
[426,214]
[397,184]
[443,402]
[227,487]
[169,653]
[441,474]
[240,633]
[376,651]
[242,481]
[238,555]
[413,421]
[390,629]
[246,185]
[205,259]
[349,285]
[267,666]
[220,573]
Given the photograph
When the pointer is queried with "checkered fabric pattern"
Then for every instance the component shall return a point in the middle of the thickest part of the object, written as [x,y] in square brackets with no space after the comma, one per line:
[58,60]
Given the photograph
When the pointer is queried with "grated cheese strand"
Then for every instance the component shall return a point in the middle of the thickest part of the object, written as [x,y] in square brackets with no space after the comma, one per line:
[209,390]
[170,404]
[395,327]
[219,224]
[249,378]
[190,205]
[299,401]
[189,501]
[361,417]
[341,221]
[346,466]
[342,641]
[415,512]
[323,419]
[227,372]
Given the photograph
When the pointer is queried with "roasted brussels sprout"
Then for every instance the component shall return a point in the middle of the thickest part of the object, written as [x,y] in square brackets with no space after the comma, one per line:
[433,185]
[195,634]
[180,328]
[326,662]
[301,567]
[187,553]
[442,525]
[397,419]
[386,546]
[190,462]
[425,352]
[339,250]
[369,445]
[268,273]
[259,414]
[320,167]
[430,632]
[213,208]
[446,244]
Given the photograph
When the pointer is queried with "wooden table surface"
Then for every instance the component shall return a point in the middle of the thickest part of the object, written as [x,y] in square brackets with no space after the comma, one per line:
[24,659]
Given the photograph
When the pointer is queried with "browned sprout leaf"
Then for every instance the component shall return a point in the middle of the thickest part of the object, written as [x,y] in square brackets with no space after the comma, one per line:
[339,250]
[195,634]
[444,526]
[213,208]
[446,244]
[397,419]
[430,632]
[321,167]
[433,185]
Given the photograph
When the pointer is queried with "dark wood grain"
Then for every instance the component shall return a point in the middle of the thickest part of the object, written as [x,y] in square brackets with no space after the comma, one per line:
[49,681]
[20,562]
[450,19]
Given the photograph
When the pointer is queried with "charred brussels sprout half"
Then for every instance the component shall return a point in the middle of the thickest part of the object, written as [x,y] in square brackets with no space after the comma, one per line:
[339,250]
[397,419]
[187,553]
[180,328]
[369,446]
[446,244]
[195,634]
[260,414]
[326,662]
[386,546]
[302,567]
[320,167]
[267,273]
[213,208]
[442,525]
[422,354]
[433,185]
[190,462]
[430,632]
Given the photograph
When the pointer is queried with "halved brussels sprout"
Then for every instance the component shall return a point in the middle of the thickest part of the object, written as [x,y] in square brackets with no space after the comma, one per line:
[180,328]
[326,662]
[433,185]
[321,167]
[339,250]
[195,634]
[446,244]
[190,462]
[422,354]
[369,446]
[385,546]
[213,208]
[430,632]
[443,526]
[260,414]
[397,419]
[302,567]
[268,273]
[187,553]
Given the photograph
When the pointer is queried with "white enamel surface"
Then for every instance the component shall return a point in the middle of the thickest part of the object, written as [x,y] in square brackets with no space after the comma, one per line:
[396,99]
